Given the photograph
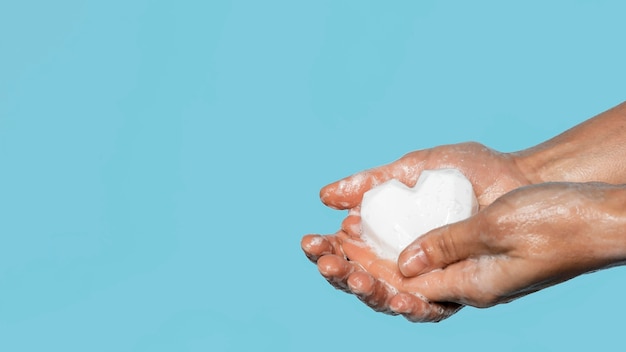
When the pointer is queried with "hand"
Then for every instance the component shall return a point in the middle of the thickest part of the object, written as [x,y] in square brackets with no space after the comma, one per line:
[529,239]
[348,264]
[491,173]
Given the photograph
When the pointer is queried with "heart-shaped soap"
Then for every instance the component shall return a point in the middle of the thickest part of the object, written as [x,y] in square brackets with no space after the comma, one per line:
[394,215]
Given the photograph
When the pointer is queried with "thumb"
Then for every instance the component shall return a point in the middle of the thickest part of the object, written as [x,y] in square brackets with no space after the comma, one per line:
[442,247]
[347,193]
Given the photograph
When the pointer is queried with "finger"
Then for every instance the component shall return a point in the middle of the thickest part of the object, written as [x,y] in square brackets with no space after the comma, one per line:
[348,192]
[370,291]
[469,282]
[315,246]
[415,309]
[442,247]
[335,269]
[384,269]
[351,225]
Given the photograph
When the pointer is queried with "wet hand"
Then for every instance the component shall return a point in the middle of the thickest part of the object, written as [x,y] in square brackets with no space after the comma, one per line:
[529,239]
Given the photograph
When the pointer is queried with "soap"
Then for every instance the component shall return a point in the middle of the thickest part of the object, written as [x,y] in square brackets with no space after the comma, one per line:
[393,215]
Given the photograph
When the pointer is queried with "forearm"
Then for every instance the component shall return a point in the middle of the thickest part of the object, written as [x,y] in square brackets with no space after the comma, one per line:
[607,225]
[594,150]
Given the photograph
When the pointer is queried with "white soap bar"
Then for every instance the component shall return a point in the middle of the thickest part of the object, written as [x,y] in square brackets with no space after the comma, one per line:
[394,215]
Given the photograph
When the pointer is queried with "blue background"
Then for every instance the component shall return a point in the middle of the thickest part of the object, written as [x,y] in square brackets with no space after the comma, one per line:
[160,161]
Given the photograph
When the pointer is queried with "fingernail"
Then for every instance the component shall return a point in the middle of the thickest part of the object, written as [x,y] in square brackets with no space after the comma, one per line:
[415,263]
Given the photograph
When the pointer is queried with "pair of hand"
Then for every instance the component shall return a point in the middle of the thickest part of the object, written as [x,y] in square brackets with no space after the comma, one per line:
[526,236]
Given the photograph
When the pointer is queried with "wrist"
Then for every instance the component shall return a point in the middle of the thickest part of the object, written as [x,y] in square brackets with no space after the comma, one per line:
[550,162]
[594,150]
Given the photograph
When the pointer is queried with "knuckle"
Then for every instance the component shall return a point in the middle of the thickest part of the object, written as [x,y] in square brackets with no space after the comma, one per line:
[483,299]
[487,301]
[446,247]
[495,225]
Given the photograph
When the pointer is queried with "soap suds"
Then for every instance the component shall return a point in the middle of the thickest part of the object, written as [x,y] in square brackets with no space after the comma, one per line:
[316,241]
[351,184]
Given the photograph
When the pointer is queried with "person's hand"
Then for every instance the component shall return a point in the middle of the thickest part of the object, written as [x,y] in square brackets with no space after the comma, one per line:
[529,239]
[348,264]
[491,173]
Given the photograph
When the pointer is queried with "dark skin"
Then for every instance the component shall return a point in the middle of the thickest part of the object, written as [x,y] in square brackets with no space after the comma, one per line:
[540,223]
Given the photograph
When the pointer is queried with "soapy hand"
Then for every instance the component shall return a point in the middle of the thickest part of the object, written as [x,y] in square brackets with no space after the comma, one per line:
[492,173]
[348,264]
[529,239]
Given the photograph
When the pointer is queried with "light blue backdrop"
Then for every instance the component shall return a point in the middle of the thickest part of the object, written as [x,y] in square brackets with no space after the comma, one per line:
[160,161]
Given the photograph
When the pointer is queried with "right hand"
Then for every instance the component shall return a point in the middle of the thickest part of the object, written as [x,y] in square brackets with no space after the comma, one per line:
[529,239]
